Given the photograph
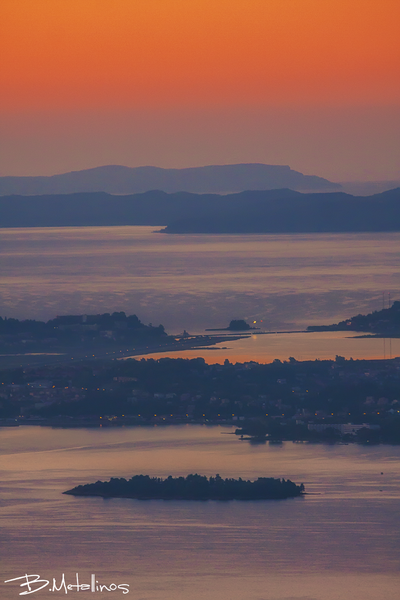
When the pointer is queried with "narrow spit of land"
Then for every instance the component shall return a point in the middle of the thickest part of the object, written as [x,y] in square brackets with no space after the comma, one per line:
[192,487]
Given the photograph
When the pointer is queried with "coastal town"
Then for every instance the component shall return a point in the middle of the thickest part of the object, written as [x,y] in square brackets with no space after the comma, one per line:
[310,400]
[319,400]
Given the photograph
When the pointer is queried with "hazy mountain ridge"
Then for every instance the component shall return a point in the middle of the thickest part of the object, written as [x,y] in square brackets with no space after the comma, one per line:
[271,211]
[368,188]
[150,208]
[116,179]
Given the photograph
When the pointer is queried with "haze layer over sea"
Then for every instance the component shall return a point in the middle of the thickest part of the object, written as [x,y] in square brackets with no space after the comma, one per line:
[195,282]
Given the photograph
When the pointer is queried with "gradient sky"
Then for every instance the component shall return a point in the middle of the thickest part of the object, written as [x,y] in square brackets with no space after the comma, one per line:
[310,83]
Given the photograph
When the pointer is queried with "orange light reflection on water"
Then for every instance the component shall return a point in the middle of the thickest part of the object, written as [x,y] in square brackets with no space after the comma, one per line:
[265,348]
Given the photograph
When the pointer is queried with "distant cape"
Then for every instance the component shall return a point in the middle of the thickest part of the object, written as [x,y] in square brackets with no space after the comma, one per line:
[301,213]
[216,179]
[269,211]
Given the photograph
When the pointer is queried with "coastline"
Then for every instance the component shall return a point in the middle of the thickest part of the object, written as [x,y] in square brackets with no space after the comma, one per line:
[65,355]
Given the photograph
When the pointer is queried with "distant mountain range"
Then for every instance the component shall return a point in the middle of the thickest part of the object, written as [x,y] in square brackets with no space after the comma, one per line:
[215,179]
[271,211]
[368,188]
[297,213]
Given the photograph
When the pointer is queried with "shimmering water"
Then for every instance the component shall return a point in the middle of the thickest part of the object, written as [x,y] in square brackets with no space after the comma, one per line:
[339,542]
[197,281]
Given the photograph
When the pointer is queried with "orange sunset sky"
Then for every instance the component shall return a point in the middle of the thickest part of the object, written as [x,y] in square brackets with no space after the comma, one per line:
[310,83]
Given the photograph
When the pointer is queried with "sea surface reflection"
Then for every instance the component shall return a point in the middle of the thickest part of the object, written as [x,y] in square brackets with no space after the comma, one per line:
[196,281]
[341,541]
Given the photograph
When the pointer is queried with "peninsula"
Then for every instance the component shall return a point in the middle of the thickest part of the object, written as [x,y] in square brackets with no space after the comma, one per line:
[79,337]
[286,211]
[193,487]
[380,323]
[252,211]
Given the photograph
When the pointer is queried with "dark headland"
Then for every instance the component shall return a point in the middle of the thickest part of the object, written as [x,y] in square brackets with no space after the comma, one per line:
[285,211]
[266,211]
[193,487]
[380,323]
[78,337]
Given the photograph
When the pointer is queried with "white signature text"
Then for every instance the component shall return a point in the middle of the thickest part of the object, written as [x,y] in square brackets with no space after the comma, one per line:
[33,583]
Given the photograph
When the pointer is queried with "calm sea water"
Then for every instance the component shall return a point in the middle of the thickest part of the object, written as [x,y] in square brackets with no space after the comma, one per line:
[194,282]
[339,542]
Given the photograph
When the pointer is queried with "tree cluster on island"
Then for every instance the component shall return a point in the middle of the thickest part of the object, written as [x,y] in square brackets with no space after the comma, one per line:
[192,487]
[235,325]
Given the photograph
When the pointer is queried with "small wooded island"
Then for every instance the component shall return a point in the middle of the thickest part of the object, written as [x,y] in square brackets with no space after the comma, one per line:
[235,325]
[192,487]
